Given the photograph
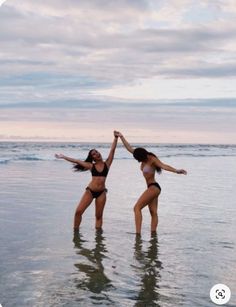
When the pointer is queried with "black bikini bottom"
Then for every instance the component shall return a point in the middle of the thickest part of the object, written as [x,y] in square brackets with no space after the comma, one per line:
[96,194]
[155,184]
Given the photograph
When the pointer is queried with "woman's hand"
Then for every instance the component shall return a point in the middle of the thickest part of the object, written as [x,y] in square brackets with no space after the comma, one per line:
[117,134]
[181,171]
[59,156]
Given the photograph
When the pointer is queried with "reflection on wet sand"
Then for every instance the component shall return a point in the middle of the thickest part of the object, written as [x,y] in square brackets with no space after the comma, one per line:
[148,269]
[93,278]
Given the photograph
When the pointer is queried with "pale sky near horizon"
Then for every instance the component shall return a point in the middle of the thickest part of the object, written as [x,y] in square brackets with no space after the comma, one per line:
[159,71]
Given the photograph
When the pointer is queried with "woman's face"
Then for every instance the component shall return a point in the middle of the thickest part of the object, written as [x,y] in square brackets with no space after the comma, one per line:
[96,155]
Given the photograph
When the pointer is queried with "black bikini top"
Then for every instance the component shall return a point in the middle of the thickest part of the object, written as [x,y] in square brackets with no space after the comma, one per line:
[103,173]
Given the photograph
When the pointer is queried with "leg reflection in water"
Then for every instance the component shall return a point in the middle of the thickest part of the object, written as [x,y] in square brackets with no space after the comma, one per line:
[91,270]
[148,267]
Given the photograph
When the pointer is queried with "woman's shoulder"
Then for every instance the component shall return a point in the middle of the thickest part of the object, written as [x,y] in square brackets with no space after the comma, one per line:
[152,158]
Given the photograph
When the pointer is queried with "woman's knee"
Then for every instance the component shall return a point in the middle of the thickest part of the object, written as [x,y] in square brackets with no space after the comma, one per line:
[78,213]
[153,212]
[137,208]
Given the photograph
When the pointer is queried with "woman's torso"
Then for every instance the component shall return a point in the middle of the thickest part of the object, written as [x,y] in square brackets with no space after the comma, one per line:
[99,173]
[148,170]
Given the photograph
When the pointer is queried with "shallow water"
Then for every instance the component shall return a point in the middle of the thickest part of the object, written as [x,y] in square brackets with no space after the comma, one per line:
[43,263]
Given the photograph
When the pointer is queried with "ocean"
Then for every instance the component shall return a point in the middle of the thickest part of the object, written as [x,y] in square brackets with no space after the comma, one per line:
[43,263]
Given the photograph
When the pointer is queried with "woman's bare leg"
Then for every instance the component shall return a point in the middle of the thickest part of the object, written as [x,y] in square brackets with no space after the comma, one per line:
[146,198]
[153,206]
[82,206]
[100,204]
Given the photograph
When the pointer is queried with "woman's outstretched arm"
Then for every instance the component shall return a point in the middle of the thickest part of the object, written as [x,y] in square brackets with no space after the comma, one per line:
[86,165]
[125,142]
[112,151]
[168,168]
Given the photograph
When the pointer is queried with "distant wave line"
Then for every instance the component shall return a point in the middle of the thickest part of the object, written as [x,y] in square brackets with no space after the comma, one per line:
[38,159]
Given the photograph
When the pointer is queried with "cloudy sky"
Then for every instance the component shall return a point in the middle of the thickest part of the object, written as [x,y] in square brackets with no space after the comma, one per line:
[158,70]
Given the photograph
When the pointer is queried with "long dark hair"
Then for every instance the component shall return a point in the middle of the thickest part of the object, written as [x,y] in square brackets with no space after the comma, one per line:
[141,155]
[80,168]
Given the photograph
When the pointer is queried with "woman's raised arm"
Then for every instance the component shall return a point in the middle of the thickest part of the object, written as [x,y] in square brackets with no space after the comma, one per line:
[112,151]
[86,165]
[125,142]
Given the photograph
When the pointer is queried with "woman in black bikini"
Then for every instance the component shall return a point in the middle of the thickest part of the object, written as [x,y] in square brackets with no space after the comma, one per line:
[96,188]
[149,164]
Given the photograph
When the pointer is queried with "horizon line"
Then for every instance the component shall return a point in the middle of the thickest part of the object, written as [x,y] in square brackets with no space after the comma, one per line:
[99,142]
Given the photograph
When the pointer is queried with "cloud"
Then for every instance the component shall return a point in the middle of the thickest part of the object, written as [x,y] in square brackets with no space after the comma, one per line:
[124,104]
[73,54]
[65,64]
[207,70]
[170,121]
